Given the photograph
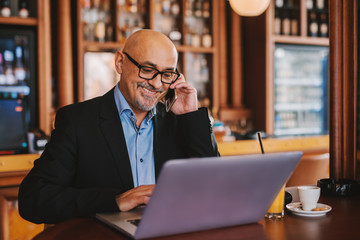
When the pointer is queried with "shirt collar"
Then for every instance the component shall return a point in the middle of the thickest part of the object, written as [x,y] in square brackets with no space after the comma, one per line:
[122,105]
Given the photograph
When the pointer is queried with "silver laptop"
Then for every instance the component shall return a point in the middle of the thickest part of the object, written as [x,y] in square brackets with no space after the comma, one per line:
[205,193]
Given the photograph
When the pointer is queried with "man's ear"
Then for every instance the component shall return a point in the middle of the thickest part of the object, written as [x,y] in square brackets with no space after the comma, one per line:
[119,60]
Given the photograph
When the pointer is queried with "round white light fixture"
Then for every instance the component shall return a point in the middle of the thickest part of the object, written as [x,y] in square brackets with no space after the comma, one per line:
[249,7]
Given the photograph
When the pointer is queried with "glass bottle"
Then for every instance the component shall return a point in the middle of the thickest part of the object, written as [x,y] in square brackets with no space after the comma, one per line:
[165,6]
[313,25]
[206,9]
[175,36]
[206,39]
[324,28]
[320,4]
[9,72]
[279,3]
[286,24]
[175,8]
[189,8]
[195,38]
[23,8]
[198,8]
[294,25]
[2,73]
[20,73]
[86,18]
[309,4]
[277,22]
[100,27]
[108,21]
[5,9]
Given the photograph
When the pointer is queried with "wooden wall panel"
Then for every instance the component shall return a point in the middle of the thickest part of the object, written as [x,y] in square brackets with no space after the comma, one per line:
[343,85]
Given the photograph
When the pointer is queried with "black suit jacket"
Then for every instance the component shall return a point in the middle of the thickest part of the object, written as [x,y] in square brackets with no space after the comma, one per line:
[86,163]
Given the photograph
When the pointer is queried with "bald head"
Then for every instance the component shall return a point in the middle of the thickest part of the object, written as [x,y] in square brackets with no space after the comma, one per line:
[149,49]
[149,42]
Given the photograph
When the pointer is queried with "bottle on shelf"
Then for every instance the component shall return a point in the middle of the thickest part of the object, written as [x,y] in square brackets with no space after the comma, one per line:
[109,30]
[2,73]
[86,18]
[189,8]
[324,26]
[136,27]
[166,6]
[195,38]
[132,6]
[313,26]
[175,36]
[279,3]
[320,4]
[289,4]
[286,24]
[198,8]
[294,25]
[309,4]
[92,19]
[100,27]
[206,39]
[175,8]
[277,22]
[188,35]
[23,8]
[9,72]
[206,9]
[142,6]
[20,73]
[5,8]
[124,31]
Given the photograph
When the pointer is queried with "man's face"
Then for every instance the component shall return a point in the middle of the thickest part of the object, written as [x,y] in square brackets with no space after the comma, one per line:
[142,95]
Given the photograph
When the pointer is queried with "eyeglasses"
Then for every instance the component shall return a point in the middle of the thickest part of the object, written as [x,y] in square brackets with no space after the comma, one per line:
[149,73]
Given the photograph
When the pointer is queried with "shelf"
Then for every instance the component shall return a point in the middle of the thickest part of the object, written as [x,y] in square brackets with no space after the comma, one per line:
[106,46]
[297,131]
[183,48]
[18,21]
[17,89]
[301,40]
[297,107]
[314,82]
[109,46]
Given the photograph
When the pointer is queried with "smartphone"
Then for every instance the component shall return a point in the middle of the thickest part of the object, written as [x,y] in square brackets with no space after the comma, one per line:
[170,99]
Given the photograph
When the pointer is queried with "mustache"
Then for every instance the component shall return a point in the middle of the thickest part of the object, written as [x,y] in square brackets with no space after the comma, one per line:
[150,87]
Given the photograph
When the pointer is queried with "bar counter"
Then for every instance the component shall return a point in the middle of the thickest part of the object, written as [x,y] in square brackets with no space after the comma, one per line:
[342,222]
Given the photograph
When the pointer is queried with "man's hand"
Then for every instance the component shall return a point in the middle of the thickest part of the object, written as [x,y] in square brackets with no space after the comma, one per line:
[134,197]
[186,97]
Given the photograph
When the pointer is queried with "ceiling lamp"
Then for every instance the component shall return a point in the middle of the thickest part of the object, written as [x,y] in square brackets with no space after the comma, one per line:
[249,7]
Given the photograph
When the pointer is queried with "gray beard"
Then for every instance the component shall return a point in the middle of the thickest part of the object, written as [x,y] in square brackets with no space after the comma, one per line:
[140,104]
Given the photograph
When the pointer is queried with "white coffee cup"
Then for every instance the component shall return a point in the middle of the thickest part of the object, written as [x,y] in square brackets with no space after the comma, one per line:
[309,196]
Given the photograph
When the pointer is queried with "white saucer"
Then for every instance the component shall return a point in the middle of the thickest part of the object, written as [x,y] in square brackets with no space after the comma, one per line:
[296,209]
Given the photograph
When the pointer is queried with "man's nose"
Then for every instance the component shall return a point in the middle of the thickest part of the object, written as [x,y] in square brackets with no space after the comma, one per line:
[156,81]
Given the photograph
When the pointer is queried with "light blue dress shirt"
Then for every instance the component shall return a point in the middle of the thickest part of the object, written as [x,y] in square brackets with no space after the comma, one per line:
[139,141]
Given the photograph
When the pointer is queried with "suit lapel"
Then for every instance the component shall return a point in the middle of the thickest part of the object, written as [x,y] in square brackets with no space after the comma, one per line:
[159,139]
[112,130]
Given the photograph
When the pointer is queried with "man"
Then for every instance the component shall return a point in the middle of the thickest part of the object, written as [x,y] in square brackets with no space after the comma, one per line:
[105,154]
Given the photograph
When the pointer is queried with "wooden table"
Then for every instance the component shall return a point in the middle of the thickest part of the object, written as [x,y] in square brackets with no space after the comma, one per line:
[342,223]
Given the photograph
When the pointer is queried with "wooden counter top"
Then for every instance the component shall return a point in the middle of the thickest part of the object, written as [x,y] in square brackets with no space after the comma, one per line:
[18,162]
[308,145]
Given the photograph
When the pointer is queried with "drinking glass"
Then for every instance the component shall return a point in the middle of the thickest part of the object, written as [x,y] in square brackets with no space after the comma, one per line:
[276,209]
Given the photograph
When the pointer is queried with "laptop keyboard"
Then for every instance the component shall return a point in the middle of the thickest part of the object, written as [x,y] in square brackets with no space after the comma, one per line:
[134,221]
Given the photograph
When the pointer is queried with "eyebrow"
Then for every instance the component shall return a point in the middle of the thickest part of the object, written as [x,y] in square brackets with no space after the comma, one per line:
[155,66]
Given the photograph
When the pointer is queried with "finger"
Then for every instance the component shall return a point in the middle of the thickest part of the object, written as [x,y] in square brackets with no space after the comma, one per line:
[137,189]
[183,86]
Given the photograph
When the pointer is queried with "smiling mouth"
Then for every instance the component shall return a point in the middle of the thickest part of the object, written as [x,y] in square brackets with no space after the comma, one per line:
[149,93]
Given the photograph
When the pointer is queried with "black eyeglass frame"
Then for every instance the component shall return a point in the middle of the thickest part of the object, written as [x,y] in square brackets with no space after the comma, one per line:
[157,73]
